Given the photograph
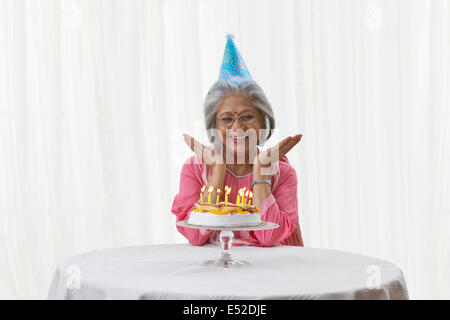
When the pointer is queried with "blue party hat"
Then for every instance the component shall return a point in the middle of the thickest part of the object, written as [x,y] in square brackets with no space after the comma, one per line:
[233,68]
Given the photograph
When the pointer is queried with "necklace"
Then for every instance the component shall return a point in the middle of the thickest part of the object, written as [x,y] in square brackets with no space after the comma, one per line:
[236,176]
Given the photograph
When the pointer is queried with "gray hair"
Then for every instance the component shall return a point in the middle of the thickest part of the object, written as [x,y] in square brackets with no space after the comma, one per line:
[220,89]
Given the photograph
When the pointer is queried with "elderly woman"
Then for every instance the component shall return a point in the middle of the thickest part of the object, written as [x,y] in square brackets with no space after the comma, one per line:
[237,116]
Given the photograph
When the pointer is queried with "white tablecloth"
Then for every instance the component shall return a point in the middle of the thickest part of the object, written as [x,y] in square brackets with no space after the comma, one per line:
[175,271]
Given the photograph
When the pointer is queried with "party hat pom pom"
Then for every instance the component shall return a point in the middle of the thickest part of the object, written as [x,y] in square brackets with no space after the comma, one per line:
[230,36]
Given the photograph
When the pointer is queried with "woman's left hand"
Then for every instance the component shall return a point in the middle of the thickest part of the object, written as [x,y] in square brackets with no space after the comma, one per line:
[267,157]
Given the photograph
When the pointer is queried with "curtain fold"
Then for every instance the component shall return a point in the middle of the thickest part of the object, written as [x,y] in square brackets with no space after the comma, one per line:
[94,97]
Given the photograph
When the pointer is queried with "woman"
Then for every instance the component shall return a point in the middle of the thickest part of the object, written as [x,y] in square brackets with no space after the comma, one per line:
[238,118]
[232,110]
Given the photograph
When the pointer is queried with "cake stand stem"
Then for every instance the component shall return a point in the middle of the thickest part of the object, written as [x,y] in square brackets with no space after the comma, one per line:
[226,240]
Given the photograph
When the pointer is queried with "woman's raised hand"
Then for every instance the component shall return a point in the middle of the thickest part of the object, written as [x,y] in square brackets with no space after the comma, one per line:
[205,154]
[267,157]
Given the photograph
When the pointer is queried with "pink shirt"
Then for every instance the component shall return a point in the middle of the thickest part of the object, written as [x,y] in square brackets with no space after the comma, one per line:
[280,207]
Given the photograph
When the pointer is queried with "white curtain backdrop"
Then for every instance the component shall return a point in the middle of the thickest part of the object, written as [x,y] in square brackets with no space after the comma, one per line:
[94,97]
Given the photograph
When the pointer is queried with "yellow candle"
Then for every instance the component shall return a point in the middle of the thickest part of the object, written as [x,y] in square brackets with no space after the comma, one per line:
[227,191]
[210,189]
[250,196]
[238,199]
[201,194]
[246,196]
[241,197]
[218,196]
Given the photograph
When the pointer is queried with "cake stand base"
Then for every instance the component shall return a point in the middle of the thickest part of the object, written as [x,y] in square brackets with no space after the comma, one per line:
[226,263]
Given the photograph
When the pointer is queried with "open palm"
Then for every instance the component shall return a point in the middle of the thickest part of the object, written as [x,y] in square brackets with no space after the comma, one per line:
[267,157]
[206,155]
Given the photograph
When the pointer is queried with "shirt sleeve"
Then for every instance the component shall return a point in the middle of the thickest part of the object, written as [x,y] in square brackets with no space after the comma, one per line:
[189,193]
[280,207]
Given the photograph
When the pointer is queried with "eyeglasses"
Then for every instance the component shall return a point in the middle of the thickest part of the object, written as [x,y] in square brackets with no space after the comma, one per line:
[246,119]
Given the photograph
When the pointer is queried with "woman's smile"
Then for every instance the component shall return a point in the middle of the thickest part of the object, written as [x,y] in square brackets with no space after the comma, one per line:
[238,139]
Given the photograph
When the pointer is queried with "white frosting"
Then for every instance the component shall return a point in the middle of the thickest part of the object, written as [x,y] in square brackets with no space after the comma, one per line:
[224,220]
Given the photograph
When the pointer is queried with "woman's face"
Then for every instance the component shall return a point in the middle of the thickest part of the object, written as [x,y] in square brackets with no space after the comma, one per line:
[235,117]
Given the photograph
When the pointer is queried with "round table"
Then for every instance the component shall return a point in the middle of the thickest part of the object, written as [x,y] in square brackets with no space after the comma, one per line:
[175,271]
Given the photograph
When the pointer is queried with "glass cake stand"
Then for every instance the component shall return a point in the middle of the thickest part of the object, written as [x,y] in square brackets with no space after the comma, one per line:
[226,237]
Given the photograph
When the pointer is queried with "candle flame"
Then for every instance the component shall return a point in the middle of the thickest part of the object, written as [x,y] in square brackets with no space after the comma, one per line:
[250,195]
[203,188]
[246,193]
[210,189]
[218,190]
[227,190]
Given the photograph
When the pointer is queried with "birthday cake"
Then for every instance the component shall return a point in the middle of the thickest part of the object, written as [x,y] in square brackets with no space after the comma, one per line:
[224,214]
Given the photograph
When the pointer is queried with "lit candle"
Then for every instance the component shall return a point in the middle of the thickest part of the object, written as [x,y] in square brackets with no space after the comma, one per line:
[218,196]
[238,199]
[210,189]
[250,196]
[201,194]
[227,191]
[242,195]
[246,196]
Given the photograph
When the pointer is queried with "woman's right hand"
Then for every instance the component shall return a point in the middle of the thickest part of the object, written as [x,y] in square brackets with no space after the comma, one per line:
[213,159]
